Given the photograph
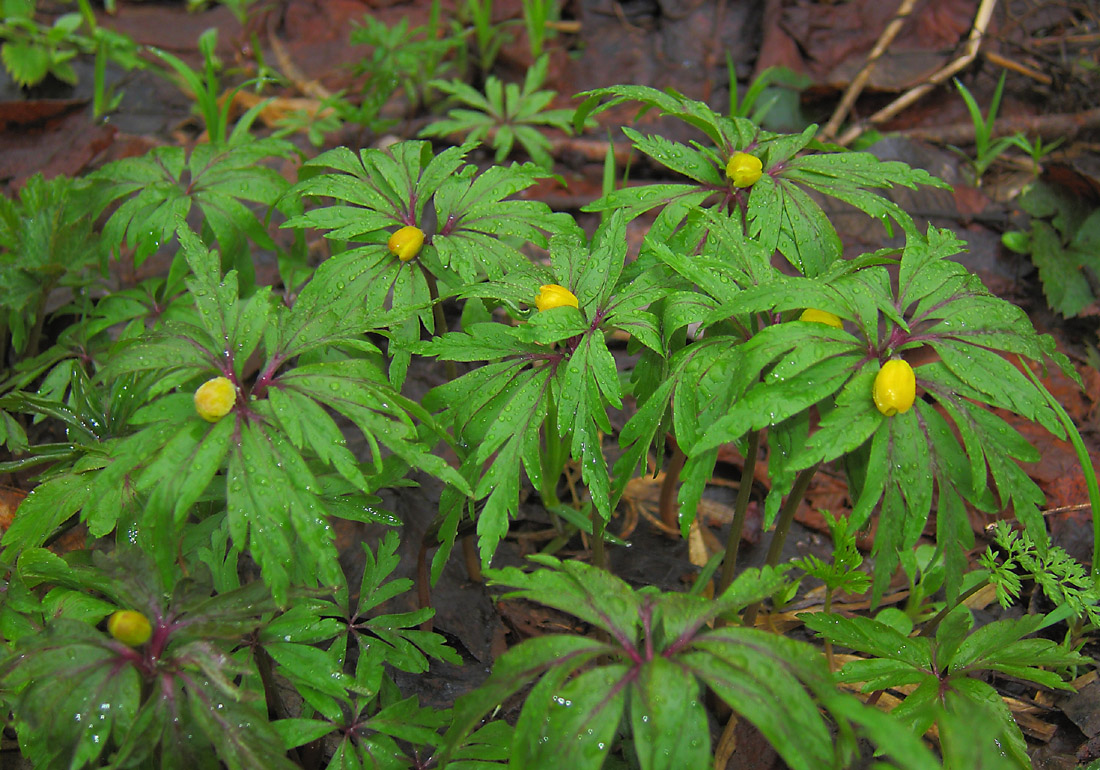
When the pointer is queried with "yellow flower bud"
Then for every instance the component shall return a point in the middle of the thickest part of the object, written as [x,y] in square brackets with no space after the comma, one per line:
[215,398]
[743,169]
[551,296]
[130,627]
[895,387]
[406,242]
[813,315]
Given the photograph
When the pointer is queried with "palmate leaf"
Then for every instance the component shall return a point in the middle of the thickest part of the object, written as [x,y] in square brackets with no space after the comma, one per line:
[273,512]
[778,210]
[724,387]
[161,186]
[361,711]
[770,377]
[378,190]
[949,310]
[556,366]
[945,669]
[46,241]
[593,595]
[100,695]
[659,654]
[393,639]
[480,223]
[499,408]
[505,113]
[273,455]
[572,721]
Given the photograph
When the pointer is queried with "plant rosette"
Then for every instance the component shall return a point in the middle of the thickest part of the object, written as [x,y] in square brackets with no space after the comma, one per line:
[406,243]
[743,169]
[813,315]
[214,399]
[895,387]
[130,627]
[551,295]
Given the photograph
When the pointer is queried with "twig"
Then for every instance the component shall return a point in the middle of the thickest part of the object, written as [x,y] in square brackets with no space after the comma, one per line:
[860,80]
[1071,39]
[1045,126]
[1011,64]
[973,43]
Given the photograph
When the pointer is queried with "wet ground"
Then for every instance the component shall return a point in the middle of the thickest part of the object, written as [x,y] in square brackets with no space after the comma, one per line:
[1050,52]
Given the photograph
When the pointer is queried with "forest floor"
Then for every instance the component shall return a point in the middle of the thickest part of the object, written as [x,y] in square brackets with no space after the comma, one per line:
[1049,52]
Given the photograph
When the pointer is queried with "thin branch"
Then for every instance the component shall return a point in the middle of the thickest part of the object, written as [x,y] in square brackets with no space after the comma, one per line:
[973,43]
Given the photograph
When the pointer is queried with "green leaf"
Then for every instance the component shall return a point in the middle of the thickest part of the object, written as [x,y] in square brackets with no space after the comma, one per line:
[70,720]
[870,636]
[1065,285]
[45,509]
[27,64]
[758,676]
[591,594]
[847,425]
[271,509]
[668,718]
[514,669]
[243,737]
[298,731]
[769,403]
[573,722]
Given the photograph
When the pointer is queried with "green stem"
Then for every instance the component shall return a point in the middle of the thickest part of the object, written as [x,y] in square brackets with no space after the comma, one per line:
[599,556]
[740,510]
[667,501]
[782,527]
[930,628]
[35,336]
[439,317]
[1086,465]
[553,462]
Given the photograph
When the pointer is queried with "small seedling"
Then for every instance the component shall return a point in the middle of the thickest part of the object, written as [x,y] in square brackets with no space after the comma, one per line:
[986,148]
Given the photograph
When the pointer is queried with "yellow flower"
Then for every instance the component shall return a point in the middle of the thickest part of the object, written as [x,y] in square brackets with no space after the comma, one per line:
[743,169]
[813,315]
[215,398]
[406,242]
[130,627]
[551,296]
[895,387]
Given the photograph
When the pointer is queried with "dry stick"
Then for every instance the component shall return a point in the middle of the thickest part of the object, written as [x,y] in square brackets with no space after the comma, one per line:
[782,527]
[744,492]
[973,43]
[727,744]
[667,499]
[1009,64]
[855,88]
[1059,124]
